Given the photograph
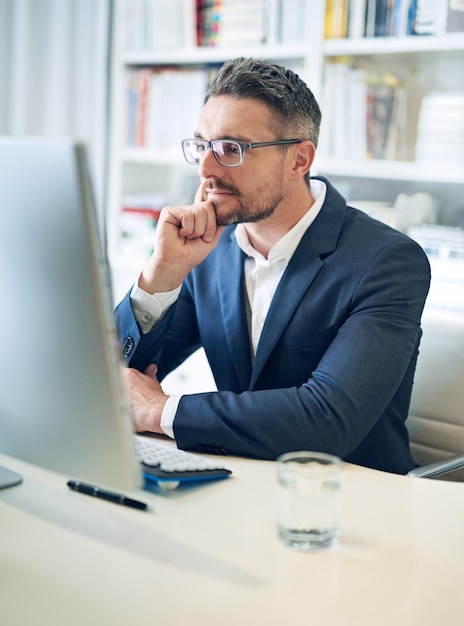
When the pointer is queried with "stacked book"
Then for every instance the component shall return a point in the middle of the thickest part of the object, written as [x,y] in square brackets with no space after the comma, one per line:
[231,22]
[250,22]
[163,105]
[437,17]
[440,131]
[163,25]
[368,18]
[159,25]
[364,114]
[392,18]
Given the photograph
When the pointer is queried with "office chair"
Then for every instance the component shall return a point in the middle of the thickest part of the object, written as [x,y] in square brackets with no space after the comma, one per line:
[436,414]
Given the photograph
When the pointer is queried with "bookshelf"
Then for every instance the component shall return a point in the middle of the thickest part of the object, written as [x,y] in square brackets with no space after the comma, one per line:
[157,173]
[427,64]
[422,58]
[153,169]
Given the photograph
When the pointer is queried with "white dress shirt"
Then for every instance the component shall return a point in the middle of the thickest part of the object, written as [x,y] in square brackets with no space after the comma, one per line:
[261,279]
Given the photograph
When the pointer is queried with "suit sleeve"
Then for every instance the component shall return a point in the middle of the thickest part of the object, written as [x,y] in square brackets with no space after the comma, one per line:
[361,374]
[139,349]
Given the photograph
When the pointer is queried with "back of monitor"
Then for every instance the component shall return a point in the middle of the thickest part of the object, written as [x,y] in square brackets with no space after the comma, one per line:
[61,401]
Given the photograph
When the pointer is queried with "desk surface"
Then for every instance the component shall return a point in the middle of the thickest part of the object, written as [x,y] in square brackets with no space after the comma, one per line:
[210,555]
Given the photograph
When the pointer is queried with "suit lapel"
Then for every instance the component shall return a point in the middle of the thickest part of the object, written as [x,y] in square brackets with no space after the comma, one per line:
[319,240]
[297,278]
[233,307]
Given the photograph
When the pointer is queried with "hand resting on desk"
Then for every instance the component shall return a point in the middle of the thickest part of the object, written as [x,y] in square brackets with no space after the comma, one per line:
[147,399]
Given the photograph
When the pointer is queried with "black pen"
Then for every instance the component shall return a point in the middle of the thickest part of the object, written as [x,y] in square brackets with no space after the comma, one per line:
[97,492]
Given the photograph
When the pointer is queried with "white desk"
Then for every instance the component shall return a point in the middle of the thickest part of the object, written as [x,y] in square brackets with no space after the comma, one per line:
[209,555]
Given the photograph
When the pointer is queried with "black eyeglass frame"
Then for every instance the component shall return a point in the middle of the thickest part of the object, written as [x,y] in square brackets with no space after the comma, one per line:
[242,145]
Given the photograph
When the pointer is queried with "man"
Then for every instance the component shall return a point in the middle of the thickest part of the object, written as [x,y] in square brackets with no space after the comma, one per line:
[308,310]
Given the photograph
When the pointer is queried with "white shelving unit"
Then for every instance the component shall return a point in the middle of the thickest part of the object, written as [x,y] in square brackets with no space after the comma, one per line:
[438,60]
[411,45]
[143,170]
[392,170]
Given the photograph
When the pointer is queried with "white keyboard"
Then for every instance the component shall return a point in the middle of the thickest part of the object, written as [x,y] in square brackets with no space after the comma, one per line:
[170,466]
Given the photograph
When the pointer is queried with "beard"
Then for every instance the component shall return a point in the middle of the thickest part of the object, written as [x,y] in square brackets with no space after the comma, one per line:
[248,207]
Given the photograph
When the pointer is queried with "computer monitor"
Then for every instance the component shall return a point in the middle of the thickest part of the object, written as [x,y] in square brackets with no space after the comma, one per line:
[62,404]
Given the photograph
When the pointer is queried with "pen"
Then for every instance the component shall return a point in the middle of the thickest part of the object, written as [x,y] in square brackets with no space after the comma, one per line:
[97,492]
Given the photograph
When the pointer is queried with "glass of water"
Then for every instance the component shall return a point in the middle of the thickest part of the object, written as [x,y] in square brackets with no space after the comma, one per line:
[309,499]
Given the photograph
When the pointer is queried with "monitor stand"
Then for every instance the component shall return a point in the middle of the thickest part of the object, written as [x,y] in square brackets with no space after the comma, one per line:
[8,478]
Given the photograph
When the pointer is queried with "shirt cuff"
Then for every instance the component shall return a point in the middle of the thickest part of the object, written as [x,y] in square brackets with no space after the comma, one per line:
[151,308]
[168,415]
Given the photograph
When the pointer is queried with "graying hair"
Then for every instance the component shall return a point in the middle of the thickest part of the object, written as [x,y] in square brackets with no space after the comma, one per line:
[296,113]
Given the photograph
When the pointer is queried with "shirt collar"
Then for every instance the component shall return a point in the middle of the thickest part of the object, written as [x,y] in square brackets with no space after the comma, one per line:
[287,245]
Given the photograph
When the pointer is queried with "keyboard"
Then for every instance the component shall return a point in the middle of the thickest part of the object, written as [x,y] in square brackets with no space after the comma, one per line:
[170,467]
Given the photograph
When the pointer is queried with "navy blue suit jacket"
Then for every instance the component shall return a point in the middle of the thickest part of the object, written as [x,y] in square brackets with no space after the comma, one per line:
[335,363]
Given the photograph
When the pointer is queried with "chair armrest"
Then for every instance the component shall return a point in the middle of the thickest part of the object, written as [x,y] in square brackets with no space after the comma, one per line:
[439,467]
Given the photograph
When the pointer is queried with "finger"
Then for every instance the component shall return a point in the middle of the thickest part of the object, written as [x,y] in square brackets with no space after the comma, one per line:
[151,371]
[200,195]
[199,223]
[189,223]
[183,218]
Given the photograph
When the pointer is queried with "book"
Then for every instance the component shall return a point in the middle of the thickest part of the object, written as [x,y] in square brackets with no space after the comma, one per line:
[430,17]
[328,18]
[381,18]
[344,98]
[380,98]
[164,105]
[455,16]
[399,19]
[159,24]
[292,21]
[336,19]
[231,22]
[357,19]
[440,128]
[371,12]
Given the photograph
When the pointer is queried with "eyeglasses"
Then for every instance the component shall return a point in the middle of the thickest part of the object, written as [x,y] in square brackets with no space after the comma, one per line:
[227,152]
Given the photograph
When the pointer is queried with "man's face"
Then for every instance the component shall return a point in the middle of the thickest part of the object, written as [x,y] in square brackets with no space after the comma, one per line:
[251,191]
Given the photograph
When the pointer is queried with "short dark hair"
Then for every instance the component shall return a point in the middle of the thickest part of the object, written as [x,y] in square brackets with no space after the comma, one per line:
[297,113]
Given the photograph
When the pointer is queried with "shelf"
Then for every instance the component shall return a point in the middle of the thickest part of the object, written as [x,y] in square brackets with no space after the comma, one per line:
[375,168]
[450,43]
[216,55]
[392,170]
[419,45]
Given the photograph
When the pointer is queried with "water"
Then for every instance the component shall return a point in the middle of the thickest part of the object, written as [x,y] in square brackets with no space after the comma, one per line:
[308,539]
[309,508]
